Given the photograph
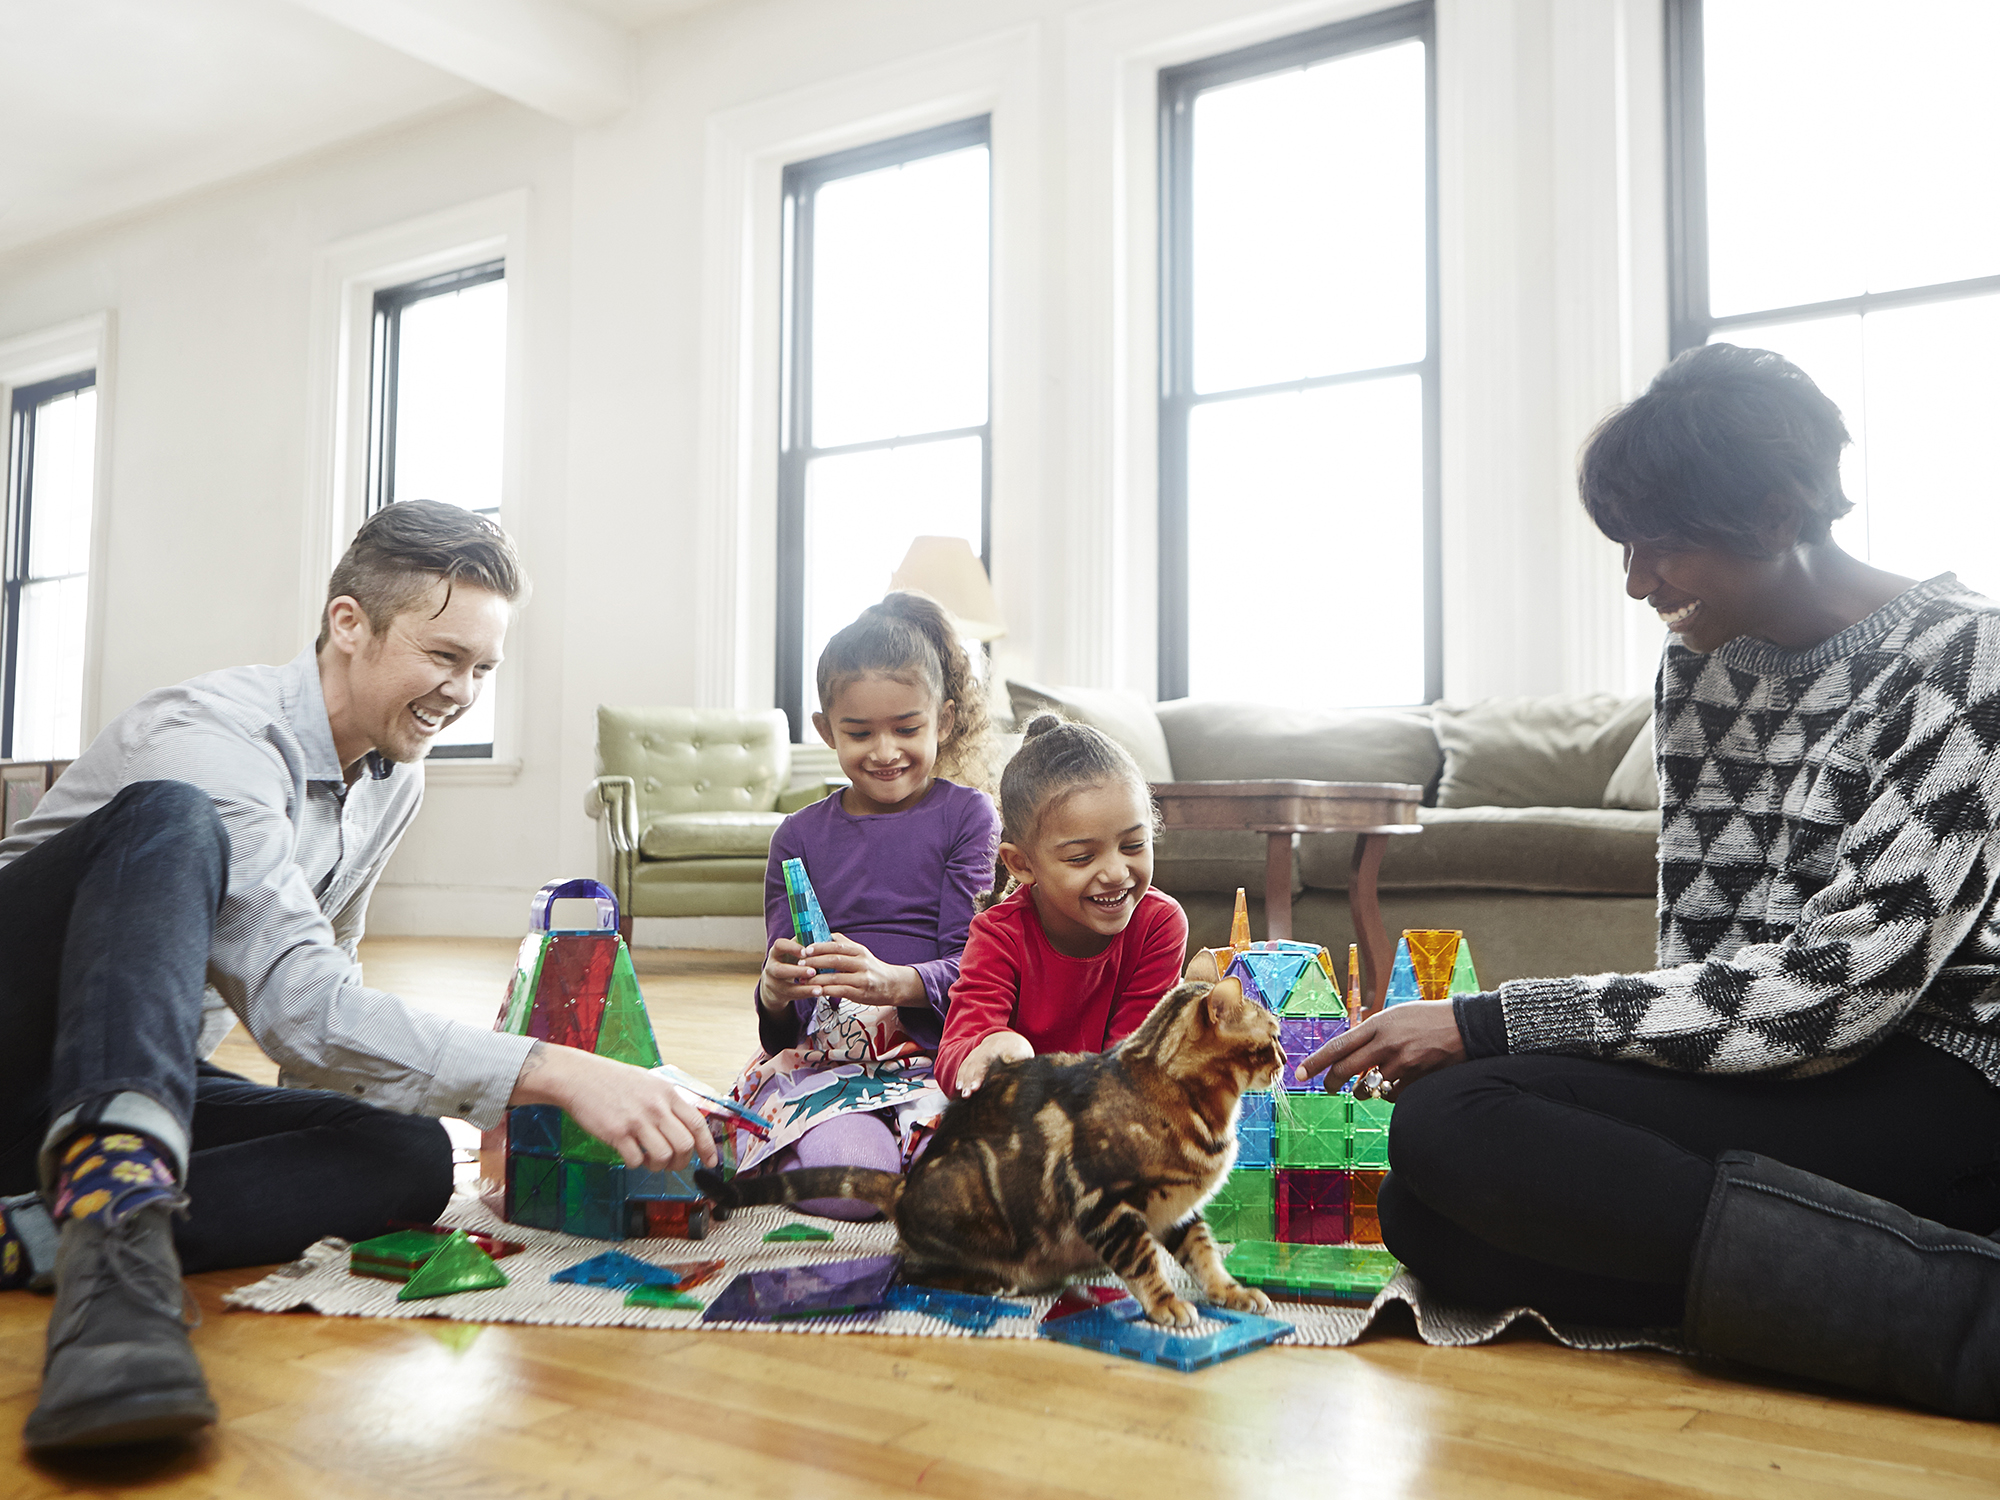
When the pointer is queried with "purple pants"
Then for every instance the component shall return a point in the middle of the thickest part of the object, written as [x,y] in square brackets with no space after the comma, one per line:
[844,1141]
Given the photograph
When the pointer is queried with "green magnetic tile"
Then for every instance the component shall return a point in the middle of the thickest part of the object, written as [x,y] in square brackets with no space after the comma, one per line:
[593,1199]
[1313,1130]
[626,1031]
[1336,1273]
[458,1266]
[1313,995]
[1243,1208]
[534,1191]
[661,1296]
[579,1144]
[527,973]
[799,1232]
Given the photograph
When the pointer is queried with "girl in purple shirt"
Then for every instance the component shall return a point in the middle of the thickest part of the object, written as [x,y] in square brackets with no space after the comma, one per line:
[848,1027]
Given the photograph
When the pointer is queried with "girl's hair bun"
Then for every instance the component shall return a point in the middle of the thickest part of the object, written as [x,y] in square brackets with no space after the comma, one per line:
[1042,724]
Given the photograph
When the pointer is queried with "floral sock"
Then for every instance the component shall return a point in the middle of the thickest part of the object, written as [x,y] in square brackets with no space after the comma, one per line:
[14,1267]
[111,1175]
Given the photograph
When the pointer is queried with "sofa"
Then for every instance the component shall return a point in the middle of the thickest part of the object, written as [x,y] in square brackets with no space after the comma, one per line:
[1540,818]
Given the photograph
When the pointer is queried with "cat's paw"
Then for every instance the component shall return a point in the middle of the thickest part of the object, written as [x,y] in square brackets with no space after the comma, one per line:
[1243,1299]
[1173,1312]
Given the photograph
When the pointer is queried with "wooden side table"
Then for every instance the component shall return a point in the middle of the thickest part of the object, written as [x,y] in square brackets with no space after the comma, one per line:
[1370,810]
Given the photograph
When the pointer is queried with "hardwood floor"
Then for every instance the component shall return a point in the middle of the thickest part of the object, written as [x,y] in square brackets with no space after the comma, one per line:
[350,1407]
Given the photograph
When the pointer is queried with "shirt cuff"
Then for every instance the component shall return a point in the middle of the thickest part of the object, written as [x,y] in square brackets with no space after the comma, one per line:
[475,1075]
[1482,1025]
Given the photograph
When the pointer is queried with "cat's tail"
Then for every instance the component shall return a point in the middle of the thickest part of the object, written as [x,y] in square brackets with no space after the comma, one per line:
[883,1189]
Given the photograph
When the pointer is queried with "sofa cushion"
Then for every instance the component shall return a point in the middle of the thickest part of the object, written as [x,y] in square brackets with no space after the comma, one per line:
[689,760]
[1636,782]
[710,835]
[1534,752]
[1583,850]
[1125,717]
[1217,741]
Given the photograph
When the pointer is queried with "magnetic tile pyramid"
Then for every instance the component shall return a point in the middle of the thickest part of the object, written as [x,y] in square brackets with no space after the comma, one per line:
[1432,964]
[578,989]
[808,921]
[457,1265]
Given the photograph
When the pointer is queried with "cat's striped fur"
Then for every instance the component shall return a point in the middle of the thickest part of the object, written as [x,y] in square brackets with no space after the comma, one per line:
[1071,1162]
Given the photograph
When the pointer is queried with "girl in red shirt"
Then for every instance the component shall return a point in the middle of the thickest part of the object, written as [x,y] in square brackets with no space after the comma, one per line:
[1074,954]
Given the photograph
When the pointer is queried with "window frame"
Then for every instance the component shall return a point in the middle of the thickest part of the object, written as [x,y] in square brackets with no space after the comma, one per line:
[799,186]
[20,515]
[1690,322]
[1178,88]
[384,370]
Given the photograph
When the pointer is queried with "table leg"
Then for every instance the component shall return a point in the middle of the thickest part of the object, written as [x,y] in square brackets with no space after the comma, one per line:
[1278,886]
[1366,912]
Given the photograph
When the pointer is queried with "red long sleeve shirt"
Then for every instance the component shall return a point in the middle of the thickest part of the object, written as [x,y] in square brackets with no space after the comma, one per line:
[1010,979]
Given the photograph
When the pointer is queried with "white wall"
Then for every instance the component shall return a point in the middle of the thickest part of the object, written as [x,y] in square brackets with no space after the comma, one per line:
[645,476]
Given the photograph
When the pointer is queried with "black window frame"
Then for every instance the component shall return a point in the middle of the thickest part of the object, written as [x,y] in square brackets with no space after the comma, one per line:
[1690,323]
[384,366]
[1178,88]
[801,185]
[26,403]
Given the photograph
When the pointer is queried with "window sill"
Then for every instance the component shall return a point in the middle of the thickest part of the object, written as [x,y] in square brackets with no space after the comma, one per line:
[471,772]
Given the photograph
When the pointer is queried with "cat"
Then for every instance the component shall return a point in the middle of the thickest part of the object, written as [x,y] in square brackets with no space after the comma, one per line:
[1071,1162]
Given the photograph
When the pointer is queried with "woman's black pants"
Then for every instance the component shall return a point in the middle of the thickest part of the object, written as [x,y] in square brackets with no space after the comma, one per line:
[1578,1187]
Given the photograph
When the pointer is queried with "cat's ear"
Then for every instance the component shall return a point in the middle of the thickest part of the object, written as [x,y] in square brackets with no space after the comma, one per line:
[1222,997]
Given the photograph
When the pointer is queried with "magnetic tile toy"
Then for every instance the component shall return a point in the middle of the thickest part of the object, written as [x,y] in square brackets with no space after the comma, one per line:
[616,1268]
[1314,1273]
[826,1290]
[457,1265]
[797,1232]
[1132,1337]
[962,1309]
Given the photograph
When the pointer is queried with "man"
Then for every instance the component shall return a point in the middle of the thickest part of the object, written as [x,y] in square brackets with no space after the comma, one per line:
[230,830]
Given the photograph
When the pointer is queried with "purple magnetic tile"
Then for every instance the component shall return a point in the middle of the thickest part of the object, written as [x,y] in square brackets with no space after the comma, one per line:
[834,1287]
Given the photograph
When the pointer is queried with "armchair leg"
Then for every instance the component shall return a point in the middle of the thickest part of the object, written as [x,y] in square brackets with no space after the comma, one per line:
[625,928]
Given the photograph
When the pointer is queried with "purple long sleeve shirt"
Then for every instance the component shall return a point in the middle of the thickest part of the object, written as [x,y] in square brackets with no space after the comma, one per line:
[900,884]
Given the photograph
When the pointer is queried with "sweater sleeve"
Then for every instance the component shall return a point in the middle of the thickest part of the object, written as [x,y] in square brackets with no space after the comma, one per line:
[983,999]
[1911,803]
[1155,969]
[779,1030]
[968,870]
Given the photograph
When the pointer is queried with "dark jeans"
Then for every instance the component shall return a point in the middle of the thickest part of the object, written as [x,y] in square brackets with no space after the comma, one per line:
[104,939]
[1578,1187]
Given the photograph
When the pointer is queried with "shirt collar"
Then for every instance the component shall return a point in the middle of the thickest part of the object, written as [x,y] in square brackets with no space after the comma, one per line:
[305,711]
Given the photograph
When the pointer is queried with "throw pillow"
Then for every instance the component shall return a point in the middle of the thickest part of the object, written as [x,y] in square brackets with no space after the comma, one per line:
[1636,782]
[1558,751]
[1126,717]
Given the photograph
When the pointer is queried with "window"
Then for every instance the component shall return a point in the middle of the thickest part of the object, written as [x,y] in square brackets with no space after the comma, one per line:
[885,433]
[1832,165]
[1298,408]
[436,419]
[50,482]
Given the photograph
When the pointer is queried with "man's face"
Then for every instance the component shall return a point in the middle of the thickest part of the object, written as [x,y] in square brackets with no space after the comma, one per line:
[424,669]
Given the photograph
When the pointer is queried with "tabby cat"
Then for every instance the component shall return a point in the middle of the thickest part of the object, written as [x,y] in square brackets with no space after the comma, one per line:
[1070,1162]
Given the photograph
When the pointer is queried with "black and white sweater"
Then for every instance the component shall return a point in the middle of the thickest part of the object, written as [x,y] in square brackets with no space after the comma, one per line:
[1829,857]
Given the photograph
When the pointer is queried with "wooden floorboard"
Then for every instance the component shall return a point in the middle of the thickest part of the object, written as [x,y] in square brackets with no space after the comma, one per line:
[340,1407]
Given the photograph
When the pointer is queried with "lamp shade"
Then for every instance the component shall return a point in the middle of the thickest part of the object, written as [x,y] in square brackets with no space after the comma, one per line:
[944,567]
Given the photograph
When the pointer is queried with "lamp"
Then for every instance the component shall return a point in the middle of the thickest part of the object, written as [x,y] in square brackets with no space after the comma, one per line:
[944,568]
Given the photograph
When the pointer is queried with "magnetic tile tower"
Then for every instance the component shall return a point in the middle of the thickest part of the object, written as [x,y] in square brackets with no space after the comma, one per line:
[576,988]
[1309,1164]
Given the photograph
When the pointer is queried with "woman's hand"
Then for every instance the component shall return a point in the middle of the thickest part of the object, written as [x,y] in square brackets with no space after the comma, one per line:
[785,980]
[1404,1043]
[848,971]
[1000,1046]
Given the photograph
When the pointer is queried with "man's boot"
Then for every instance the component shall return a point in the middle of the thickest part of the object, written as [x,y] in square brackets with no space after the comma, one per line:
[120,1369]
[1799,1274]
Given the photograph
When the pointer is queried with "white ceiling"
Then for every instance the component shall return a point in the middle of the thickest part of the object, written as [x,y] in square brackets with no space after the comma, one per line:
[108,105]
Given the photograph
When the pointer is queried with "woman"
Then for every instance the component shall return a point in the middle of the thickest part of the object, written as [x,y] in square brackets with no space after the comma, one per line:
[1786,1138]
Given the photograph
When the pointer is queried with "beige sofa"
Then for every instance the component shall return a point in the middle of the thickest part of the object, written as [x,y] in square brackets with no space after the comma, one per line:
[1519,848]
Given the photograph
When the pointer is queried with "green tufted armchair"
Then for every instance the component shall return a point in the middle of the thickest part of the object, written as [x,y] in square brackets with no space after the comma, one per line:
[685,801]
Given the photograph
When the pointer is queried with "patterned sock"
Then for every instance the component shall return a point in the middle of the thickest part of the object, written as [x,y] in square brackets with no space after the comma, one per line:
[14,1267]
[111,1175]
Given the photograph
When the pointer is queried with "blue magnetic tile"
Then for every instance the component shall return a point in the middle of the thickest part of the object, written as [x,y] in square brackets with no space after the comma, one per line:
[535,1129]
[959,1308]
[1131,1336]
[616,1268]
[640,1184]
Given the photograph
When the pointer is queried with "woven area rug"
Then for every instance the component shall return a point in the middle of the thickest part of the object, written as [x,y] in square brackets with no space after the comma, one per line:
[319,1282]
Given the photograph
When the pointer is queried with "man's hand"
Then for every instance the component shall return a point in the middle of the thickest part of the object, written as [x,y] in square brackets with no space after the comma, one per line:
[785,980]
[645,1119]
[1001,1046]
[848,971]
[1404,1042]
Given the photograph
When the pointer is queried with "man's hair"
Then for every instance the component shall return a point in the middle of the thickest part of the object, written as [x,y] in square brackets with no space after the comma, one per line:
[1695,461]
[404,550]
